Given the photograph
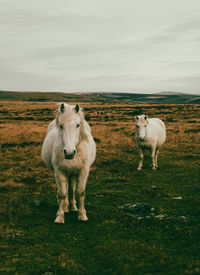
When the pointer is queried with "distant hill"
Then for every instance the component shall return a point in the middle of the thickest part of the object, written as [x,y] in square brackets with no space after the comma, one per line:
[178,98]
[41,96]
[170,93]
[157,98]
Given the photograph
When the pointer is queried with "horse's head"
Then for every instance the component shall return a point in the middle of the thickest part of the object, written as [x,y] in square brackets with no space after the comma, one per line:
[68,122]
[141,124]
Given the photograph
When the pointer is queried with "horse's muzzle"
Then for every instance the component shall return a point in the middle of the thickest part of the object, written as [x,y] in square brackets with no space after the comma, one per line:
[69,155]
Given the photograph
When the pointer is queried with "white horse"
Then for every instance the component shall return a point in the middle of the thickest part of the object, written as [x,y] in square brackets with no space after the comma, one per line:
[69,149]
[151,134]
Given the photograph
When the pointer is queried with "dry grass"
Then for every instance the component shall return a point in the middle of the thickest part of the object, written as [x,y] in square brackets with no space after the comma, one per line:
[111,243]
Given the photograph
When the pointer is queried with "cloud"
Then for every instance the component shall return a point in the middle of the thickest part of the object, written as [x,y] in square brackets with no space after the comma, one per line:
[109,45]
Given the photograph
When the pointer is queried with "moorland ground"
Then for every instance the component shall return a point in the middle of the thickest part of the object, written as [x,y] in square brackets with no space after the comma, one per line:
[111,242]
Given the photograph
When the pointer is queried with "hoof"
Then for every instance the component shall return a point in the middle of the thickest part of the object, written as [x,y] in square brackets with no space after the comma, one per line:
[139,168]
[82,218]
[73,209]
[66,209]
[59,219]
[154,168]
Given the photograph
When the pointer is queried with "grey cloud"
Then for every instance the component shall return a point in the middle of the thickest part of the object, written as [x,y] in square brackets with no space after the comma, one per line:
[184,63]
[85,45]
[17,80]
[186,80]
[191,24]
[188,84]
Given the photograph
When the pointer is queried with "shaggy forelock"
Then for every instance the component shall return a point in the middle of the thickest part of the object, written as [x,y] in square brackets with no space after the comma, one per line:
[141,118]
[68,113]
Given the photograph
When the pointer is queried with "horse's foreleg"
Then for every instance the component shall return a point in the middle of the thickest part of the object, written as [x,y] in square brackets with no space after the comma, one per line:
[72,198]
[82,179]
[141,156]
[62,195]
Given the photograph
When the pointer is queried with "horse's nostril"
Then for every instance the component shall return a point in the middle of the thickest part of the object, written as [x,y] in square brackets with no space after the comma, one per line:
[69,155]
[65,153]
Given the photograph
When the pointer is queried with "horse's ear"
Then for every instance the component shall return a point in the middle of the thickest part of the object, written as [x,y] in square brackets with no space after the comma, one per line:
[62,107]
[136,117]
[57,116]
[77,108]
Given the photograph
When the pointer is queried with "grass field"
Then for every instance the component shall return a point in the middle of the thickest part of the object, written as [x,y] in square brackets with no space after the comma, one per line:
[111,242]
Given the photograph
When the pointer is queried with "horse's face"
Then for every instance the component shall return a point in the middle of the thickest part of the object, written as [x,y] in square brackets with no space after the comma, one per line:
[68,123]
[141,124]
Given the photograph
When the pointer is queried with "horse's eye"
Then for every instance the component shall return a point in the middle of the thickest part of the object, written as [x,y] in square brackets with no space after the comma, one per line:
[78,125]
[61,127]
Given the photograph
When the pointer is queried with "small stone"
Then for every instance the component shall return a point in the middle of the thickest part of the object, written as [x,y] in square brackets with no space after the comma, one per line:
[183,217]
[177,198]
[160,217]
[37,202]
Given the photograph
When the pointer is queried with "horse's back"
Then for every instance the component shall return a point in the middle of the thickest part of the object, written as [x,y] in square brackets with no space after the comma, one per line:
[48,145]
[51,126]
[92,149]
[92,144]
[158,129]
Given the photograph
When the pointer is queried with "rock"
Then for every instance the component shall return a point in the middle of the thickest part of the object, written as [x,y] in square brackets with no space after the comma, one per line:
[177,198]
[139,210]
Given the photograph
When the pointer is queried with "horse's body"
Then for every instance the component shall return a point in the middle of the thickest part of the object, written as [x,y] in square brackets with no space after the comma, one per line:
[69,149]
[150,134]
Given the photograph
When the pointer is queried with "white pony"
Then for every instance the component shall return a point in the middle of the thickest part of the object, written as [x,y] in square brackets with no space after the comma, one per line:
[151,134]
[69,149]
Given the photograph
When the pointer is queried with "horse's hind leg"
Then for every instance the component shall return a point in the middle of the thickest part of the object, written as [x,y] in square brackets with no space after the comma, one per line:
[153,156]
[72,198]
[82,179]
[156,157]
[62,185]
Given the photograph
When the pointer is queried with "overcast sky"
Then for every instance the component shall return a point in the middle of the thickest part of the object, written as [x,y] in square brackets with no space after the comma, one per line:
[140,46]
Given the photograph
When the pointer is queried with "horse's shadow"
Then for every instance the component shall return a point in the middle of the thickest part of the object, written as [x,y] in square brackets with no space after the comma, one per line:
[71,216]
